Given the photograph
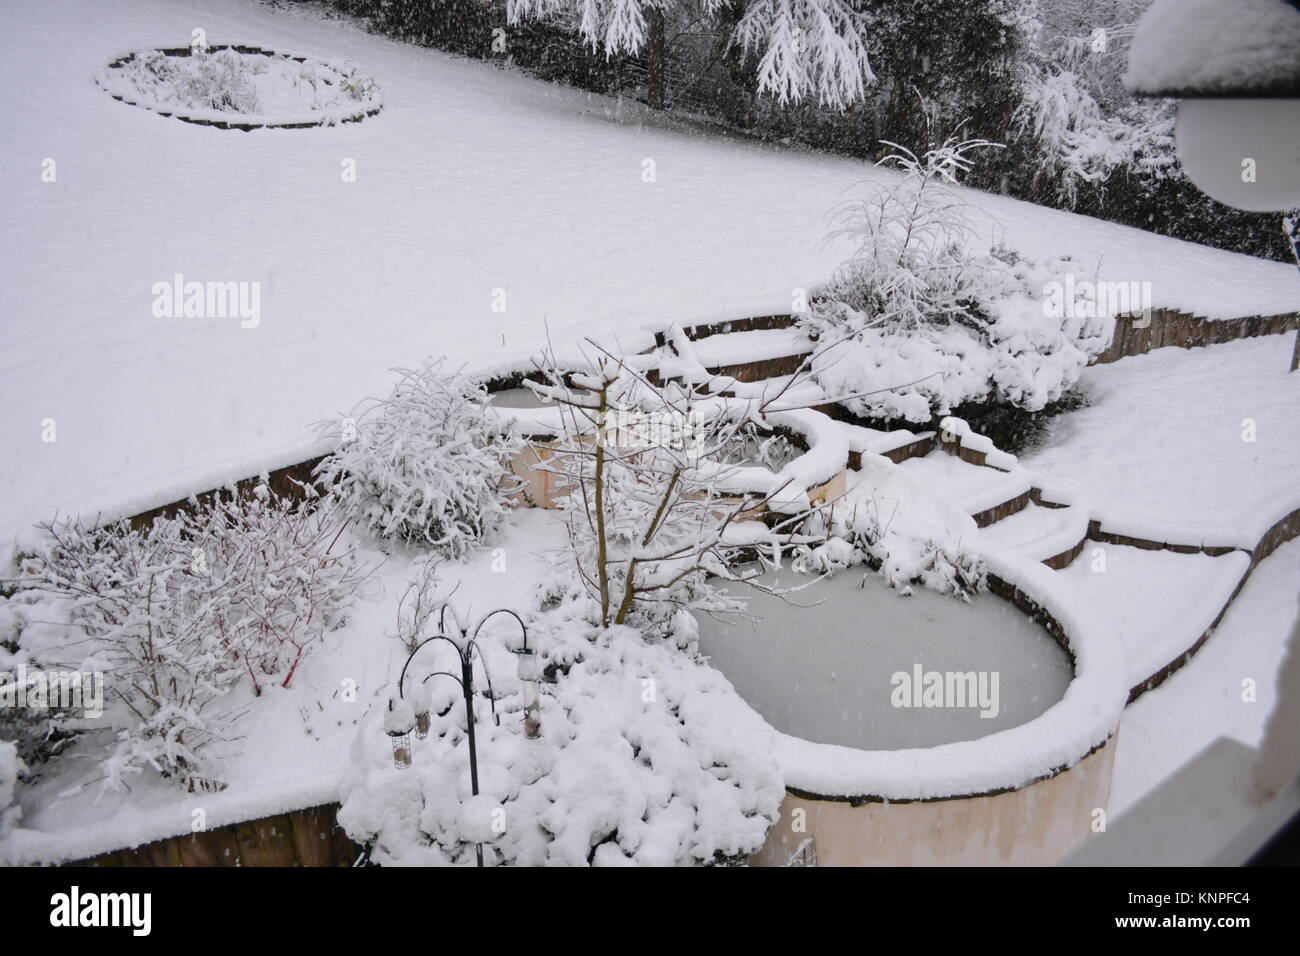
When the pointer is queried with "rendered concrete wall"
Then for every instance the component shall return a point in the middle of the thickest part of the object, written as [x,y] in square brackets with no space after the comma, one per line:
[1036,826]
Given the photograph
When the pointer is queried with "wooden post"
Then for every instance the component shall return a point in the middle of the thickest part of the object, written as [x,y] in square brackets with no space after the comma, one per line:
[655,55]
[1291,229]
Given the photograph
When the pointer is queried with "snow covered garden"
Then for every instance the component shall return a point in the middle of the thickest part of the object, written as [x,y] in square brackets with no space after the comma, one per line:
[530,476]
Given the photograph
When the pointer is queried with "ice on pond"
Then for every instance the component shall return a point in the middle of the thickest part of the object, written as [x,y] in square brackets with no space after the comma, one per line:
[522,397]
[849,661]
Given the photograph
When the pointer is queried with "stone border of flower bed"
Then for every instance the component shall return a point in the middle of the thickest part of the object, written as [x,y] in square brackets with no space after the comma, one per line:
[240,121]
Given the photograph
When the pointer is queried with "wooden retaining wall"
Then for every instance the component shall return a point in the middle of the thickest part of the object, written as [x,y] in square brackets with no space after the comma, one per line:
[286,481]
[762,369]
[310,837]
[1167,327]
[1170,327]
[750,324]
[1005,510]
[1101,536]
[1059,562]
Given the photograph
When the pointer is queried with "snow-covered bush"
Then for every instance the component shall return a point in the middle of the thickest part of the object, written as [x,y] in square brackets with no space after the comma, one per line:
[11,768]
[1077,141]
[649,508]
[913,265]
[1083,134]
[428,464]
[38,734]
[646,756]
[917,321]
[280,574]
[1016,355]
[176,614]
[899,527]
[1079,144]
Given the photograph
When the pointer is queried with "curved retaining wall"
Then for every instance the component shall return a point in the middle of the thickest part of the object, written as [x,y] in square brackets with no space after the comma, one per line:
[1038,825]
[1168,328]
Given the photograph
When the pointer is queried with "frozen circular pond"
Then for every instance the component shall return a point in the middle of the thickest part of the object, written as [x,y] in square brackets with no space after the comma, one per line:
[849,661]
[522,397]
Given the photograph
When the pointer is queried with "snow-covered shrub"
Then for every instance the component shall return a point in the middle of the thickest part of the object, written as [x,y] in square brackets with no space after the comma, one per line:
[11,768]
[1080,144]
[131,608]
[751,445]
[1017,356]
[646,756]
[215,81]
[912,265]
[175,615]
[281,577]
[897,525]
[39,735]
[649,509]
[1077,141]
[428,464]
[917,322]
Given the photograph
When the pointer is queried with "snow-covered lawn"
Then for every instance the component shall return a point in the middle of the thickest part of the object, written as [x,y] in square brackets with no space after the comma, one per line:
[471,180]
[1191,446]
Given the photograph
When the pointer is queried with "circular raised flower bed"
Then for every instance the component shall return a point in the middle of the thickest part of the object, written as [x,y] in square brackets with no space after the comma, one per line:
[242,87]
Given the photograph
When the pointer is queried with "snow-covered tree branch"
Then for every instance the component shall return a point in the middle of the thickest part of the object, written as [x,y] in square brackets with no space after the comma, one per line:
[807,49]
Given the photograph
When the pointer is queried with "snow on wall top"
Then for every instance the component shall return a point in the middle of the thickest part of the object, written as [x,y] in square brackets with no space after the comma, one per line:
[471,180]
[1216,47]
